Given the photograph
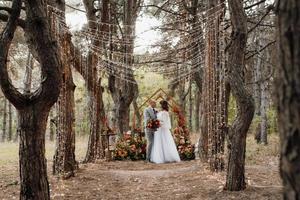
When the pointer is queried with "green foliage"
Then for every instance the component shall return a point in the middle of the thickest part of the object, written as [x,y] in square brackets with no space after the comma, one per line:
[231,110]
[272,120]
[148,83]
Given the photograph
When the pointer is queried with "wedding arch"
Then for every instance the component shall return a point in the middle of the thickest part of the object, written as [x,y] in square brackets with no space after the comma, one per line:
[158,95]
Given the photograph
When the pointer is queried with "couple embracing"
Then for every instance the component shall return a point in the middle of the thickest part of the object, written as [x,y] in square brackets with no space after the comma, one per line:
[161,147]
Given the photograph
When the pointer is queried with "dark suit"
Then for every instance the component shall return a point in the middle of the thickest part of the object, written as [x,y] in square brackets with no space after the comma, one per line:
[149,114]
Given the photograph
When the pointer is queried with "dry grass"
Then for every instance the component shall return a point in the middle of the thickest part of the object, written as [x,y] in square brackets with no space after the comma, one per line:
[137,180]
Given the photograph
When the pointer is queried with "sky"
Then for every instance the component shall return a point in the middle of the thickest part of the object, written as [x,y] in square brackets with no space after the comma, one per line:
[145,37]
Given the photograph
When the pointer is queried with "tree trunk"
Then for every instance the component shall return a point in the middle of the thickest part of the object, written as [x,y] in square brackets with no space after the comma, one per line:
[124,92]
[33,172]
[64,162]
[257,80]
[288,95]
[9,136]
[52,125]
[263,112]
[190,106]
[197,111]
[203,139]
[264,99]
[93,84]
[33,109]
[235,179]
[28,73]
[95,150]
[137,114]
[4,120]
[122,115]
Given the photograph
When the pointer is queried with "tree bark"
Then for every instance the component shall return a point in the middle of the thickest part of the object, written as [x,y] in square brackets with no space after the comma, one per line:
[9,136]
[64,162]
[124,92]
[4,120]
[137,114]
[52,125]
[288,95]
[93,84]
[190,106]
[33,109]
[235,179]
[197,110]
[33,172]
[28,73]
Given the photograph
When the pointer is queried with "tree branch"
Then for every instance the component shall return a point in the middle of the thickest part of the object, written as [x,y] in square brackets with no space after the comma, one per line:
[260,50]
[261,19]
[10,92]
[163,9]
[255,4]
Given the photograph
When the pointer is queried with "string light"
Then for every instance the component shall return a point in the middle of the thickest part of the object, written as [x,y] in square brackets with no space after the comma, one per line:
[200,47]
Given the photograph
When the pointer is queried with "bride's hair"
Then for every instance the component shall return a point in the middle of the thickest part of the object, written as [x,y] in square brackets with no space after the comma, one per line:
[164,105]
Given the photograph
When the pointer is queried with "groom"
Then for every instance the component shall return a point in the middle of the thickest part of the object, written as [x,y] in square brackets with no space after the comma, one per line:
[149,114]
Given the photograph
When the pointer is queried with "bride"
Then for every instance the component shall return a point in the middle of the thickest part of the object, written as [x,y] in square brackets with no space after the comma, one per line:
[164,148]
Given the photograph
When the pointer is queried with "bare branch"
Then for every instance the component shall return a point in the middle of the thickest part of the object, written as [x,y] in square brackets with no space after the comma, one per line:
[261,19]
[260,50]
[255,4]
[163,9]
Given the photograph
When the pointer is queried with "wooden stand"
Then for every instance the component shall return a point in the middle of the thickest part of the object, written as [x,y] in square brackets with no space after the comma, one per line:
[109,153]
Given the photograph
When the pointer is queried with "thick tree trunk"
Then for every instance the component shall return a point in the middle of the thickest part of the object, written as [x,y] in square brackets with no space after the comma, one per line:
[33,172]
[235,179]
[95,150]
[124,92]
[4,122]
[64,162]
[93,84]
[288,95]
[122,115]
[32,109]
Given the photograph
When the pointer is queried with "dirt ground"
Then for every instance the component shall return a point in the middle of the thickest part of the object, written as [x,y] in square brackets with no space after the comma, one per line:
[139,180]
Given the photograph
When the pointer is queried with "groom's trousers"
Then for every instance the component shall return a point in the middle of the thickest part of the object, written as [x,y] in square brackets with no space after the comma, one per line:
[150,137]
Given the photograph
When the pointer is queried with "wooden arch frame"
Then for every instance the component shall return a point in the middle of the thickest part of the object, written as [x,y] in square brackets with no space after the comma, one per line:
[159,94]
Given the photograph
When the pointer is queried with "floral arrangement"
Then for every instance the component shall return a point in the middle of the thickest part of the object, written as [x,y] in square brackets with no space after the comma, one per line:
[182,139]
[131,147]
[153,124]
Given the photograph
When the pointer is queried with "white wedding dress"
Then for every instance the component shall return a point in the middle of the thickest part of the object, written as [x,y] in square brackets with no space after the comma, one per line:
[164,148]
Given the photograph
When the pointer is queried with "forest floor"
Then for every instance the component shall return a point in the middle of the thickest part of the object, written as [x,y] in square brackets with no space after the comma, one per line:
[139,180]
